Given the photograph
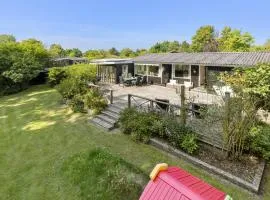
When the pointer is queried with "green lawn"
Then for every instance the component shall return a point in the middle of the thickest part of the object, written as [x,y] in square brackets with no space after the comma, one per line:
[38,136]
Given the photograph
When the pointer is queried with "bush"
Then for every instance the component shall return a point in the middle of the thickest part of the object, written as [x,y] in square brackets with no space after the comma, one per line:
[70,87]
[84,72]
[138,124]
[56,75]
[189,143]
[126,120]
[77,104]
[143,125]
[260,141]
[95,101]
[159,128]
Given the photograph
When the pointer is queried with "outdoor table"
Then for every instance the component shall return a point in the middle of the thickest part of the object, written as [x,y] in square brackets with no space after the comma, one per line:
[129,80]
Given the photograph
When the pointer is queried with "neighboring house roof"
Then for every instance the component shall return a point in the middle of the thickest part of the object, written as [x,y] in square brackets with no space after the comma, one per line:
[175,183]
[207,58]
[70,58]
[107,61]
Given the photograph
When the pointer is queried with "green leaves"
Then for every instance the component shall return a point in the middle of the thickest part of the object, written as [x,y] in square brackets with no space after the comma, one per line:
[234,40]
[204,36]
[20,62]
[253,82]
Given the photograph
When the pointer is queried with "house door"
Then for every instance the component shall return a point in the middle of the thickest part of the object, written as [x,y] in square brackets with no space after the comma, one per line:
[124,71]
[107,74]
[167,73]
[195,75]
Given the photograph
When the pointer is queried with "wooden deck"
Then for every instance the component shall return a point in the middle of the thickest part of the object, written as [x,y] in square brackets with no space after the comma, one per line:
[161,92]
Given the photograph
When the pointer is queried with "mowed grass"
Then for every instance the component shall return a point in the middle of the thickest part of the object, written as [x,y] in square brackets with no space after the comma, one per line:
[100,175]
[41,141]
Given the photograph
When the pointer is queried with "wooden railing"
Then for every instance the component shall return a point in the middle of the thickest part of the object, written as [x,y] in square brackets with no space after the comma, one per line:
[156,105]
[106,93]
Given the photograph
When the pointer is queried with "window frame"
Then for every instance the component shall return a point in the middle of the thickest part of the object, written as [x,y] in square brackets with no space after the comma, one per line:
[181,65]
[141,65]
[148,71]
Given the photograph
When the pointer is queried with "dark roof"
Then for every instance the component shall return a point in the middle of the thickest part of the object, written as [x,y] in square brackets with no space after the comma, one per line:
[105,61]
[70,58]
[208,58]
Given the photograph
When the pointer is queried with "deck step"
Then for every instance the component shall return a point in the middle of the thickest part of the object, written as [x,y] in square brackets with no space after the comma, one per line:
[109,117]
[111,114]
[119,105]
[114,109]
[100,123]
[106,119]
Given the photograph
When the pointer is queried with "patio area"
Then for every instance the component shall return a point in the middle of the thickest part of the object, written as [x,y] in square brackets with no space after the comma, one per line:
[195,95]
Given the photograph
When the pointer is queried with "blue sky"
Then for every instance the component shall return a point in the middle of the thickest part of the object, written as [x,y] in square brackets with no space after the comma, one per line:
[89,24]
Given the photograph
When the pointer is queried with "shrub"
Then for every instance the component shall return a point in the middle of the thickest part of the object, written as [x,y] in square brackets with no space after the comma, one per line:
[95,101]
[70,87]
[180,136]
[159,129]
[77,104]
[189,143]
[84,72]
[56,75]
[127,121]
[260,141]
[143,125]
[138,124]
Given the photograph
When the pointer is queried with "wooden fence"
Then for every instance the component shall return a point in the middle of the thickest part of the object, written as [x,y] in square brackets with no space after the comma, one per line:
[210,133]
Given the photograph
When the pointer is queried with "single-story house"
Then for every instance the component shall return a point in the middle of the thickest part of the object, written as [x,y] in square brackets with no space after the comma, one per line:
[109,70]
[65,61]
[178,68]
[195,68]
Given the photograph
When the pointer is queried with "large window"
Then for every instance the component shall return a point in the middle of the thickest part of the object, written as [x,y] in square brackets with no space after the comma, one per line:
[181,71]
[125,71]
[153,70]
[141,69]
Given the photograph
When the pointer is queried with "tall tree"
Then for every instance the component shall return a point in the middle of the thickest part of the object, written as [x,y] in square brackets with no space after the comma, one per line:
[75,52]
[127,52]
[56,51]
[174,46]
[7,38]
[204,36]
[95,54]
[235,40]
[37,49]
[140,52]
[24,61]
[113,51]
[267,45]
[165,46]
[184,47]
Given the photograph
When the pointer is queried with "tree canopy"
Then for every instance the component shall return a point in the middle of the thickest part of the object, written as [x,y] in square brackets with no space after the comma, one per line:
[254,81]
[7,38]
[204,38]
[75,52]
[127,52]
[234,40]
[20,62]
[56,51]
[113,51]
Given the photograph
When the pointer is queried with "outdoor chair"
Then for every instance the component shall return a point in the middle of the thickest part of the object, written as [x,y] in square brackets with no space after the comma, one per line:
[143,80]
[121,81]
[138,81]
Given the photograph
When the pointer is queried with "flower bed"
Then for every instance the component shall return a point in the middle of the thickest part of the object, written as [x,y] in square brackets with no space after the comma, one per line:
[256,170]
